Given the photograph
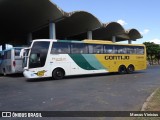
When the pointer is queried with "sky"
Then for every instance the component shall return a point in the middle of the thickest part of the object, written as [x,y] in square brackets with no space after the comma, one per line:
[143,15]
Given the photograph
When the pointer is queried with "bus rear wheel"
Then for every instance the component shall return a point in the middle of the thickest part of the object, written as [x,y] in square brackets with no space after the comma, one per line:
[122,69]
[130,69]
[58,74]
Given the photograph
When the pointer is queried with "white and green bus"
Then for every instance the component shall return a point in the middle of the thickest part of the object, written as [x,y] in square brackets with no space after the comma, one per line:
[59,58]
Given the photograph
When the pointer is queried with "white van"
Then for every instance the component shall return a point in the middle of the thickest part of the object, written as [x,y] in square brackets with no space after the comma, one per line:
[11,61]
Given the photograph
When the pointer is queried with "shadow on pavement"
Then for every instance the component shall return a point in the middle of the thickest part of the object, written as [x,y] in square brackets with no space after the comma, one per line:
[13,75]
[80,76]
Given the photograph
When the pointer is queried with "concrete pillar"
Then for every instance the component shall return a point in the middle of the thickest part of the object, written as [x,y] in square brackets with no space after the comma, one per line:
[89,35]
[3,46]
[52,31]
[113,39]
[129,41]
[29,40]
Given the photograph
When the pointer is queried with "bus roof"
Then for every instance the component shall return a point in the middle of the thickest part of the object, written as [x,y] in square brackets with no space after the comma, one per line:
[88,41]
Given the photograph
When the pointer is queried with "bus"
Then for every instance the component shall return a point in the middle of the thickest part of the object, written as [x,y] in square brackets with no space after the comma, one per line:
[59,58]
[11,62]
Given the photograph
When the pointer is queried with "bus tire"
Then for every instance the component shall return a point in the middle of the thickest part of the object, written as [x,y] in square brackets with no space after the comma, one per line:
[58,74]
[122,69]
[130,69]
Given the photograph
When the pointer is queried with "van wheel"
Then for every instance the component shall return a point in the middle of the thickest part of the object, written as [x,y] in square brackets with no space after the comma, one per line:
[130,69]
[58,74]
[122,69]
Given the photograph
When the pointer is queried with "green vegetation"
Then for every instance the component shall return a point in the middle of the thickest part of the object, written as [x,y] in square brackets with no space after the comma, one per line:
[153,52]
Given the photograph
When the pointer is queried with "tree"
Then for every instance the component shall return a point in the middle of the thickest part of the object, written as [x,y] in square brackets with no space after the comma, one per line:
[157,56]
[153,52]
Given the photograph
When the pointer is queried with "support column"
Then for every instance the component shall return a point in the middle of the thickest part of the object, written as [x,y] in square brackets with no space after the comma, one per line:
[52,31]
[29,40]
[129,41]
[89,35]
[3,46]
[113,39]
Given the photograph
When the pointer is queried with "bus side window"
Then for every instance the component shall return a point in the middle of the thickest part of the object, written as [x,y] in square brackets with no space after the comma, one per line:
[108,49]
[98,49]
[60,48]
[17,52]
[90,48]
[54,49]
[7,54]
[79,48]
[140,50]
[130,50]
[121,49]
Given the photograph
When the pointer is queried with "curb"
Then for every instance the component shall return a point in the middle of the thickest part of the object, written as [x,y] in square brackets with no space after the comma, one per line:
[147,100]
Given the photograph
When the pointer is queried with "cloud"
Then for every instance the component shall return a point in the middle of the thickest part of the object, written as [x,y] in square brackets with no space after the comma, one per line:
[145,31]
[156,41]
[122,22]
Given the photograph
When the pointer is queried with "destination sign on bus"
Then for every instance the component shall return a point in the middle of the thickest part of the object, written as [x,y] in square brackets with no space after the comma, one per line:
[116,57]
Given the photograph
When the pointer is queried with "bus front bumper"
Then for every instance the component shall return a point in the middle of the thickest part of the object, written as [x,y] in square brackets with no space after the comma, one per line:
[29,75]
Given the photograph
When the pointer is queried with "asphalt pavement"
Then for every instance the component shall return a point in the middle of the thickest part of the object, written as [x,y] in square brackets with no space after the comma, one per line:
[102,92]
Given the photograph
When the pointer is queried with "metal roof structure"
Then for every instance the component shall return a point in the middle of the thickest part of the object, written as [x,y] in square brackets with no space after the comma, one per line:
[27,15]
[134,34]
[108,30]
[76,23]
[19,17]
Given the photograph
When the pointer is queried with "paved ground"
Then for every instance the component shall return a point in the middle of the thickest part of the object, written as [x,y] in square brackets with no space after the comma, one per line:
[107,92]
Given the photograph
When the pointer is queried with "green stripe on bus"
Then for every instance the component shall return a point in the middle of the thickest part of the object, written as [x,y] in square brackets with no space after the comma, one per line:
[81,61]
[92,60]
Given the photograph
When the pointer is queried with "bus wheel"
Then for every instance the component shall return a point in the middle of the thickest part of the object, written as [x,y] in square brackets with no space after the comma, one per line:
[130,69]
[58,74]
[122,69]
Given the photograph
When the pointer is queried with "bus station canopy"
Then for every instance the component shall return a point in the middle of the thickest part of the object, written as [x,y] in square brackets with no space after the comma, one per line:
[27,15]
[20,17]
[76,23]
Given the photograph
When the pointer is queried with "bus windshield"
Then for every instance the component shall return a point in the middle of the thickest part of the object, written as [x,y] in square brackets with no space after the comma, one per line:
[38,54]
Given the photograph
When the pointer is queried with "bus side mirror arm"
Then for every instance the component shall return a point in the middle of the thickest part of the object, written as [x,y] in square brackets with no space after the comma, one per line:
[21,53]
